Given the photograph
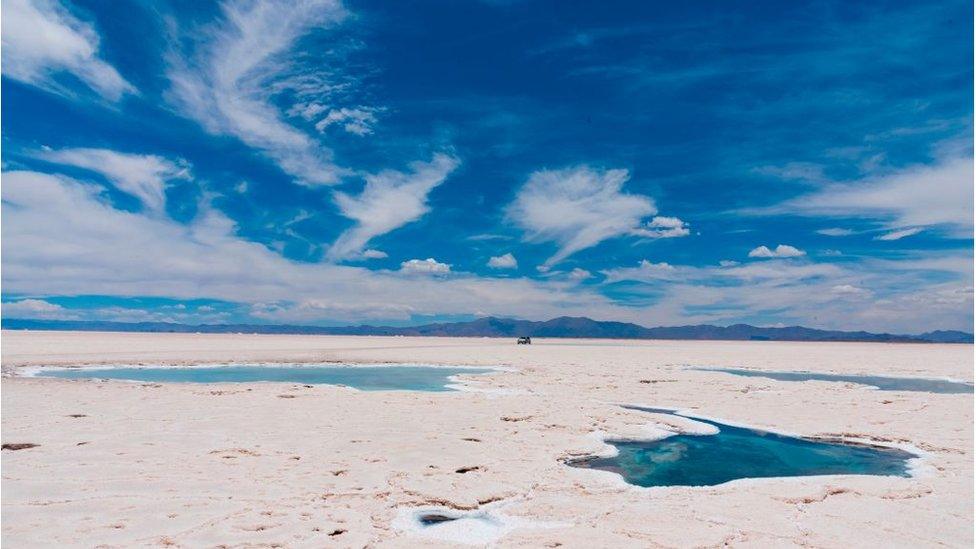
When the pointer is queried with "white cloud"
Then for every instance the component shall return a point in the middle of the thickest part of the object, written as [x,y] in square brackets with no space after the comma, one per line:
[45,310]
[645,271]
[835,231]
[663,227]
[227,82]
[390,200]
[42,41]
[310,310]
[366,254]
[577,208]
[374,254]
[579,274]
[488,236]
[424,266]
[61,238]
[39,309]
[776,271]
[142,176]
[937,195]
[850,290]
[308,111]
[865,294]
[506,261]
[34,308]
[782,250]
[899,234]
[358,121]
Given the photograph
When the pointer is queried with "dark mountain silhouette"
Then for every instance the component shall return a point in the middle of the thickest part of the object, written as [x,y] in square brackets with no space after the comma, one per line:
[947,336]
[508,327]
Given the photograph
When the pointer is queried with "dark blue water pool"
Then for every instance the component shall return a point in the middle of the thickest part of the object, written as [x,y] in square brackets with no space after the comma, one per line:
[366,378]
[881,382]
[736,452]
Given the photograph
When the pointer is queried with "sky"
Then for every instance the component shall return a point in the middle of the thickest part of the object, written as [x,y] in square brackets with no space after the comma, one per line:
[321,162]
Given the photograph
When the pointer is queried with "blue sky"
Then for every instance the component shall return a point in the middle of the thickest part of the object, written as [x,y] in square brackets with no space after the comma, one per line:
[319,162]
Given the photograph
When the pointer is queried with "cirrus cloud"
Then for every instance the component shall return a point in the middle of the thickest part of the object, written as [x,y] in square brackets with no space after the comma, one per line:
[42,40]
[937,195]
[390,200]
[227,79]
[580,207]
[143,176]
[835,231]
[899,234]
[357,121]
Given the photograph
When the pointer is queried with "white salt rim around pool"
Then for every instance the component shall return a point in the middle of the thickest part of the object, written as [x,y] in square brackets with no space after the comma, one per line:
[480,526]
[478,386]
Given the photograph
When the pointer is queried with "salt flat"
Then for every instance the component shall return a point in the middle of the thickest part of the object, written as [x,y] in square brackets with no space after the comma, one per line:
[295,466]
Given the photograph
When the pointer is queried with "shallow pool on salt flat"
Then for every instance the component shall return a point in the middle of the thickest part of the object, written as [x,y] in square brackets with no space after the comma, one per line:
[737,453]
[365,378]
[916,384]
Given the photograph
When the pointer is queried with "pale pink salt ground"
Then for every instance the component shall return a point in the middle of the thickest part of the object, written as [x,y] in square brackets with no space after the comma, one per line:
[205,465]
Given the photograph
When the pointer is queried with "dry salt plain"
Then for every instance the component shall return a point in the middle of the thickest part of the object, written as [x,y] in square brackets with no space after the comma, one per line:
[122,464]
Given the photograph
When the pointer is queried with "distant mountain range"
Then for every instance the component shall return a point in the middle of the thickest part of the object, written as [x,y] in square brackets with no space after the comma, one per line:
[565,326]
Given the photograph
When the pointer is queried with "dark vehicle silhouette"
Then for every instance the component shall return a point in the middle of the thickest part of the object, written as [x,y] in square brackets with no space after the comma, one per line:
[525,341]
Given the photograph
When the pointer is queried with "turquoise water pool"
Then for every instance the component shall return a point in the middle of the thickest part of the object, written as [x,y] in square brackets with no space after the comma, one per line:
[737,453]
[883,383]
[365,378]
